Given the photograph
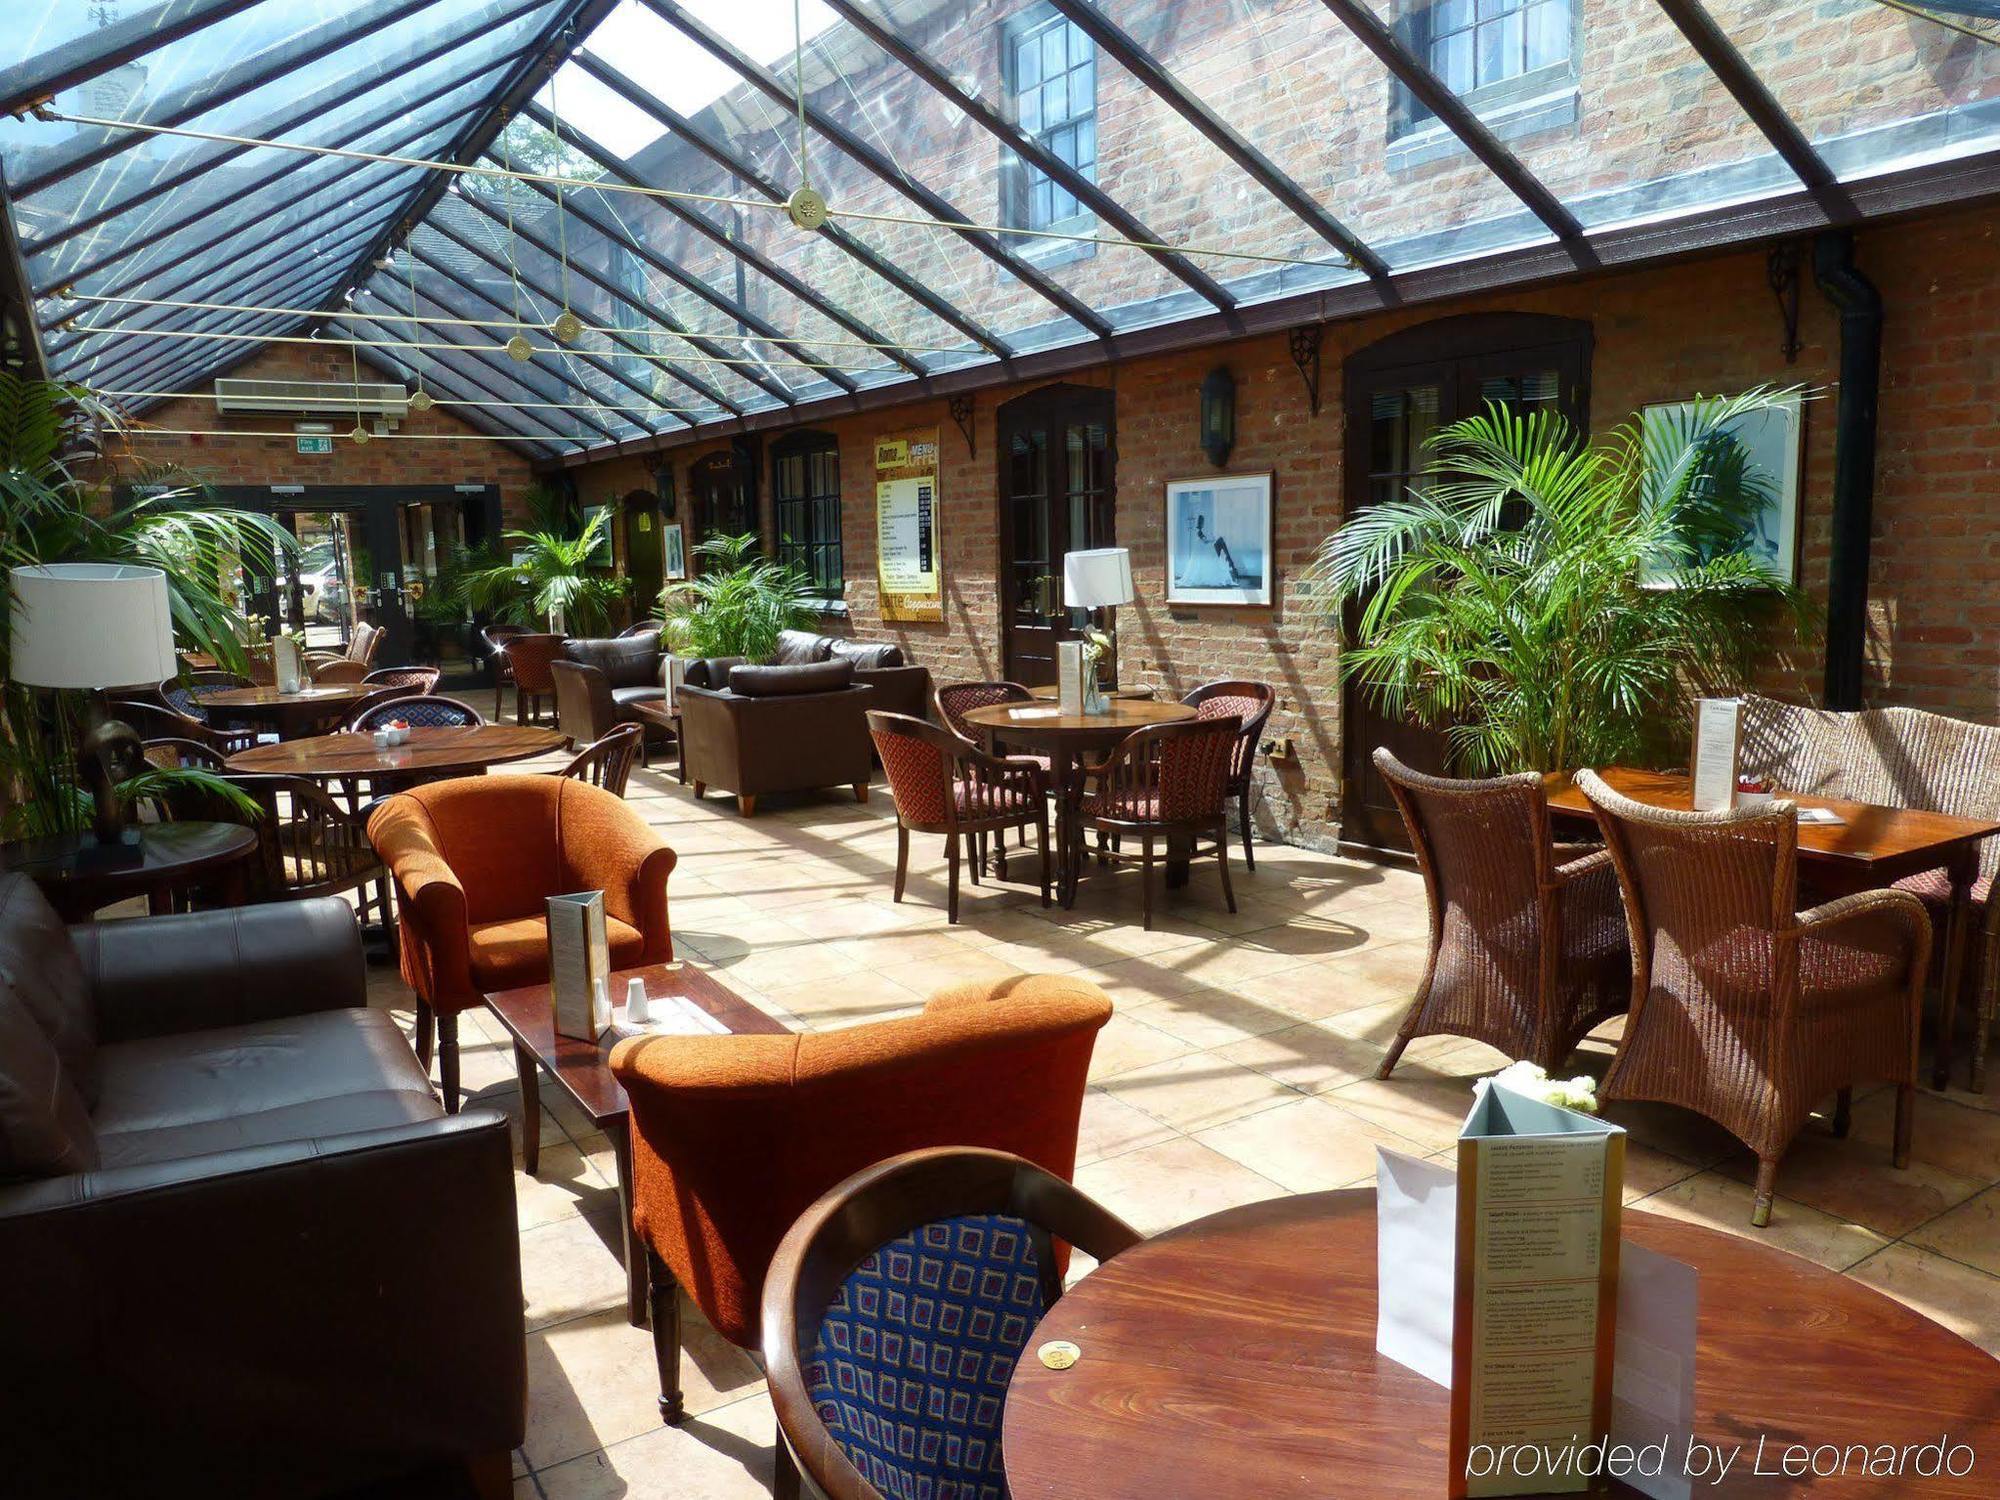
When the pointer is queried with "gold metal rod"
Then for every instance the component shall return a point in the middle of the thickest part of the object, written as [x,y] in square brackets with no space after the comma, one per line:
[594,406]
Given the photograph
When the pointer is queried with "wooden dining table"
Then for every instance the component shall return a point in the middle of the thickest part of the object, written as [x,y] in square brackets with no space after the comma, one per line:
[348,755]
[1234,1357]
[1068,740]
[1869,848]
[289,714]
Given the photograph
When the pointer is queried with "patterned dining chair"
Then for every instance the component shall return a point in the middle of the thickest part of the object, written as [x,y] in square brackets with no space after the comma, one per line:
[424,712]
[421,680]
[1528,951]
[156,721]
[607,762]
[1746,1010]
[185,695]
[1167,783]
[176,754]
[897,1308]
[1249,703]
[956,699]
[944,784]
[529,657]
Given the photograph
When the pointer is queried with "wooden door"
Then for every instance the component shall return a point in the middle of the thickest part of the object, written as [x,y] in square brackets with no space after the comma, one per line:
[1057,493]
[1399,392]
[723,486]
[640,511]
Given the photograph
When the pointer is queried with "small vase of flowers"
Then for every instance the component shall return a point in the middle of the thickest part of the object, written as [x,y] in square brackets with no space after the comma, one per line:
[1096,646]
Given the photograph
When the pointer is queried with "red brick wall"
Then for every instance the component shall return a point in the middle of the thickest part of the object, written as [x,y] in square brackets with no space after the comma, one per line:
[1708,326]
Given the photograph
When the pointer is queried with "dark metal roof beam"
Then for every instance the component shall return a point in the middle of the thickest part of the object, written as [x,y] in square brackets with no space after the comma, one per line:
[1460,120]
[145,359]
[20,335]
[625,171]
[882,167]
[656,315]
[746,171]
[1032,151]
[84,57]
[1143,66]
[700,387]
[1761,105]
[463,387]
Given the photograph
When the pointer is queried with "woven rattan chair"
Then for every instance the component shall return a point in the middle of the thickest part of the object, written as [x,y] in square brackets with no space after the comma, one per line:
[1167,783]
[185,696]
[418,713]
[607,762]
[155,721]
[1744,1009]
[978,1238]
[174,754]
[528,659]
[422,680]
[1250,704]
[944,784]
[1527,951]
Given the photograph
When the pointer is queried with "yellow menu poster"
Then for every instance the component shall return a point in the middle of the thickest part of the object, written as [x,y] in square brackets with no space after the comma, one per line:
[909,543]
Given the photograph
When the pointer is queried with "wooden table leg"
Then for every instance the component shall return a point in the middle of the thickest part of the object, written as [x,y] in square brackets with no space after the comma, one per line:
[1069,820]
[1180,850]
[529,1072]
[635,1253]
[1964,868]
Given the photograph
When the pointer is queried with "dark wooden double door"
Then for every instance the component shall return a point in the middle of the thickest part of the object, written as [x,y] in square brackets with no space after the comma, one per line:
[1399,392]
[1057,454]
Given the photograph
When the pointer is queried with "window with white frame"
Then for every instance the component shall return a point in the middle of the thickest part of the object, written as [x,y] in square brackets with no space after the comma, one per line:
[1502,57]
[1051,75]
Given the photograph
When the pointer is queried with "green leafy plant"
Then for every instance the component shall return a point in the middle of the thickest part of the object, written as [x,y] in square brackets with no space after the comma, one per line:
[547,573]
[1550,604]
[737,603]
[62,500]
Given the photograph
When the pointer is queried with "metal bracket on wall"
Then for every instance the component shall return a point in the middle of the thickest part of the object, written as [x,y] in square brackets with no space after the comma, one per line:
[960,407]
[1305,358]
[1781,269]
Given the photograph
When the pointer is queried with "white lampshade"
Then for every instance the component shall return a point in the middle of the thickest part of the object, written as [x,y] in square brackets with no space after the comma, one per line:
[91,625]
[1098,578]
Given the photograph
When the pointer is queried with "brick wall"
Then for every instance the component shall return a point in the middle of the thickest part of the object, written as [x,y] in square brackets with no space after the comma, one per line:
[1707,326]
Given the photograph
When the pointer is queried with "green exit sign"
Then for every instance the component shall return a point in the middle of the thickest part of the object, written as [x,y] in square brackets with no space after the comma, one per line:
[315,442]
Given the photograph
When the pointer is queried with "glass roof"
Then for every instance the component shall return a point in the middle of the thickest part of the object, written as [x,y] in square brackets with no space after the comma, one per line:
[1004,176]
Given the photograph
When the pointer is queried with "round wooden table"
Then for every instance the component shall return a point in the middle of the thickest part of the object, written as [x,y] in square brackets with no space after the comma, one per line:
[427,752]
[1067,740]
[78,881]
[1235,1356]
[290,714]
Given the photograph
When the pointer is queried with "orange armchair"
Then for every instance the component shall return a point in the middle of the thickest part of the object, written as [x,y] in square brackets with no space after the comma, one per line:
[474,862]
[733,1137]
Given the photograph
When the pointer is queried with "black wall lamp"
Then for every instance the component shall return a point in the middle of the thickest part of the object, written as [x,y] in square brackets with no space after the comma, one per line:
[1218,415]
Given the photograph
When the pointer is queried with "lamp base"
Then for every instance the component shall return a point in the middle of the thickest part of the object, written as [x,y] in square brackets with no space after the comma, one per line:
[93,852]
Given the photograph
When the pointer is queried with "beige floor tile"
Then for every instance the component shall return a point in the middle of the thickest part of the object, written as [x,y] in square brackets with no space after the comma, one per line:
[1205,1018]
[1195,1090]
[571,1267]
[1962,1299]
[565,1184]
[1970,1233]
[725,1454]
[1309,1057]
[844,1000]
[1171,1183]
[1723,1203]
[1110,1127]
[1421,1106]
[1315,991]
[1306,1146]
[1855,1180]
[1947,1132]
[1125,1044]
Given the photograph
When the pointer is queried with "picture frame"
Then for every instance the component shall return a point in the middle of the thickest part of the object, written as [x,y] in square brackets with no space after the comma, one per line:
[1775,441]
[1221,534]
[601,555]
[673,552]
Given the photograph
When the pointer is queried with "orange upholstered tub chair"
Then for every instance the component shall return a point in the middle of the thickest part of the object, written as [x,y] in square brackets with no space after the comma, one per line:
[474,862]
[733,1137]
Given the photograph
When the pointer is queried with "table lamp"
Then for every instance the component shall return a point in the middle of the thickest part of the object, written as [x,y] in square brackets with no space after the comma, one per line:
[1099,578]
[88,627]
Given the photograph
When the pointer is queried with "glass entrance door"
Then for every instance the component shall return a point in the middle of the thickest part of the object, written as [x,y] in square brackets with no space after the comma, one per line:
[1056,496]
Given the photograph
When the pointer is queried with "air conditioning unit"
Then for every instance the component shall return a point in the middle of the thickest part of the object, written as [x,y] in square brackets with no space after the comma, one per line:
[314,398]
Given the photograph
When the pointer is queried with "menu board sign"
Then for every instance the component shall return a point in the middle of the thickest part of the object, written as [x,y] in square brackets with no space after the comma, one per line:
[1718,725]
[909,552]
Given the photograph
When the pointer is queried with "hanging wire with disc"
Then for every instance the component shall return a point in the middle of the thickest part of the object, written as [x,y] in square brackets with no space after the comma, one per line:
[566,327]
[420,399]
[518,348]
[806,208]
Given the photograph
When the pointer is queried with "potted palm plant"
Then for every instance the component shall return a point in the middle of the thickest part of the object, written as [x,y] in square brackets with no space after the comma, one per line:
[61,502]
[549,578]
[1549,604]
[737,603]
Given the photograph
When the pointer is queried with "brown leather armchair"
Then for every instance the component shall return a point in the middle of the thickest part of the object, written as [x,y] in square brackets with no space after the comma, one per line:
[899,687]
[776,729]
[267,1264]
[599,683]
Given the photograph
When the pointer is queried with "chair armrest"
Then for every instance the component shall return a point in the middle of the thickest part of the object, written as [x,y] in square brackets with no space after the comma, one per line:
[432,911]
[630,863]
[1888,923]
[339,669]
[190,972]
[350,1293]
[1589,864]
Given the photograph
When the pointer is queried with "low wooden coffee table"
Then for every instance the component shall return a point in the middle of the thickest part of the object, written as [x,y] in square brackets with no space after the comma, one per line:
[656,712]
[582,1070]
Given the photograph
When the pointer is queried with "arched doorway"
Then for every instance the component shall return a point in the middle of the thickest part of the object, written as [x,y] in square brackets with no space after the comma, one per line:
[1057,494]
[639,515]
[1400,390]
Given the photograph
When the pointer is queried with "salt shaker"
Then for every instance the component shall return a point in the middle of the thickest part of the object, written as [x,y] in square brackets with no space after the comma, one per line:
[600,1005]
[638,1009]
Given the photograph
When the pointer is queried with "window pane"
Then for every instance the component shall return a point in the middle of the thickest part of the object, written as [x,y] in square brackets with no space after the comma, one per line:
[1053,60]
[1027,64]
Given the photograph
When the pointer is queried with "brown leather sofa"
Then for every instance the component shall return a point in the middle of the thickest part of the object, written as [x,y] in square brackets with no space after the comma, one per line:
[599,680]
[756,729]
[242,1250]
[899,687]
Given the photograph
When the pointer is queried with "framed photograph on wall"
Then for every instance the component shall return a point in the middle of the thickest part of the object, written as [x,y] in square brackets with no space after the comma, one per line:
[601,554]
[1220,534]
[1774,442]
[673,553]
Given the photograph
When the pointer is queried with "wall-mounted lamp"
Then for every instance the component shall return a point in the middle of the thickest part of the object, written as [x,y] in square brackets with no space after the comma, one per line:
[1218,415]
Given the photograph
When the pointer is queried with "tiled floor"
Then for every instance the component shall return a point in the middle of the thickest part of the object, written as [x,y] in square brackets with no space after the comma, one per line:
[1239,1066]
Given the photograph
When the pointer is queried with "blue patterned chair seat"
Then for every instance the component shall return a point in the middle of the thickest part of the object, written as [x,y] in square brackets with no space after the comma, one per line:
[909,1371]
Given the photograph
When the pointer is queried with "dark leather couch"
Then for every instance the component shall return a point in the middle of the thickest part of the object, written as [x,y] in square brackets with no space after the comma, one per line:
[242,1250]
[599,680]
[899,687]
[778,728]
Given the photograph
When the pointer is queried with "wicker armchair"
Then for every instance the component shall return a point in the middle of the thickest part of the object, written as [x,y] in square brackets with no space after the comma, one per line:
[1169,782]
[528,659]
[1249,703]
[607,762]
[155,721]
[944,784]
[1527,953]
[174,754]
[1744,1009]
[352,664]
[418,679]
[185,696]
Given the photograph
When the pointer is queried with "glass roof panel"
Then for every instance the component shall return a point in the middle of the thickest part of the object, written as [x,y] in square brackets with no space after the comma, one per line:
[1874,88]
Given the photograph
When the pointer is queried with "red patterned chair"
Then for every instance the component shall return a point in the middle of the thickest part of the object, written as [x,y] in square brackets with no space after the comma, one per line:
[1168,783]
[1250,704]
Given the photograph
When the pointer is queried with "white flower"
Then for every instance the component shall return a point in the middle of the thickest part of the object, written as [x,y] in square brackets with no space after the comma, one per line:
[1533,1082]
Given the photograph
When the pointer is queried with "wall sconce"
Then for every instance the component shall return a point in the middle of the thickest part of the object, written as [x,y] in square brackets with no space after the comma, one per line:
[1218,415]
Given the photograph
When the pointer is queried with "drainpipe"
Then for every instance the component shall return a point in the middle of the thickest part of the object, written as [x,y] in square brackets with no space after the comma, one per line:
[1860,308]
